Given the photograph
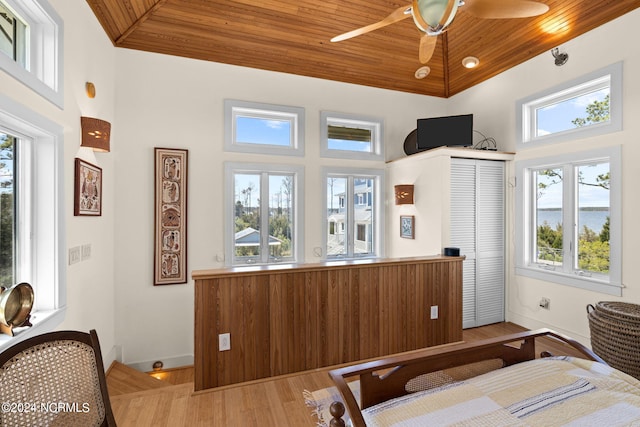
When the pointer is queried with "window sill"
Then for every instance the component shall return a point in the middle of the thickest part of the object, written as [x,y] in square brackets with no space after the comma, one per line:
[586,283]
[43,321]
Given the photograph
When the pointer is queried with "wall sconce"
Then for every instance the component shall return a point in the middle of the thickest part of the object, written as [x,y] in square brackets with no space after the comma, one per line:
[96,134]
[404,194]
[90,89]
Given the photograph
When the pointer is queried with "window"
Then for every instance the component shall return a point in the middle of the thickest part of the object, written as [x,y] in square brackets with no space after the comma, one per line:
[349,136]
[8,146]
[588,106]
[13,36]
[31,46]
[354,209]
[264,198]
[251,127]
[569,220]
[32,213]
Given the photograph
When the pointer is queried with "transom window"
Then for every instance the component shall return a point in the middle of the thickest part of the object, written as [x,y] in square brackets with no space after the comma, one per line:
[264,219]
[31,46]
[353,209]
[251,127]
[569,220]
[350,136]
[590,105]
[13,36]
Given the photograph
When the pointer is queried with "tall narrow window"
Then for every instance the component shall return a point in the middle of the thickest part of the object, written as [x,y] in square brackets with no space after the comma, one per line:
[569,220]
[8,212]
[265,215]
[32,216]
[353,214]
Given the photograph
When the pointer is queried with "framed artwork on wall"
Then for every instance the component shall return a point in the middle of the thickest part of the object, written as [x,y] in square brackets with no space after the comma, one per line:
[407,226]
[87,200]
[170,253]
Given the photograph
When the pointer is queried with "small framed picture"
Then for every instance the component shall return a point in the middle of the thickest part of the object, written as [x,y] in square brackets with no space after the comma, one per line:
[88,189]
[407,226]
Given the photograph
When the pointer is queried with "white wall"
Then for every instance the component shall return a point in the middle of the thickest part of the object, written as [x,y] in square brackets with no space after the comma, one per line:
[493,103]
[174,102]
[88,56]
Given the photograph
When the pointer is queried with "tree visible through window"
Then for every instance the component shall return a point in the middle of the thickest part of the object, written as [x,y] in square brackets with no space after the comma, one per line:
[264,203]
[7,209]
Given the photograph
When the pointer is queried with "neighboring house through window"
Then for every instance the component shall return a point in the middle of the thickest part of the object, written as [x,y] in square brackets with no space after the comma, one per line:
[350,136]
[353,206]
[265,214]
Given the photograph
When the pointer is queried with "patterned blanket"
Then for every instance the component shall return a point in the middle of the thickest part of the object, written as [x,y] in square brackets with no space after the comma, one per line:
[544,392]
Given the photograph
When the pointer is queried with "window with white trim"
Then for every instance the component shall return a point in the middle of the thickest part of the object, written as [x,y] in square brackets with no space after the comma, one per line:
[264,206]
[31,192]
[353,206]
[351,136]
[31,46]
[588,106]
[252,127]
[568,220]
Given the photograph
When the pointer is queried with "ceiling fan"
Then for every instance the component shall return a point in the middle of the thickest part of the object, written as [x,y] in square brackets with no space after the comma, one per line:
[433,17]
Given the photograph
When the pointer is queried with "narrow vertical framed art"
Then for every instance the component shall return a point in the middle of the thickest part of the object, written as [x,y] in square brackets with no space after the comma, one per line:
[87,189]
[170,250]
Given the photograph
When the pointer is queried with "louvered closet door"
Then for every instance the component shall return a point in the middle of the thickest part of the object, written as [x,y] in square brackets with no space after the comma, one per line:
[463,231]
[477,227]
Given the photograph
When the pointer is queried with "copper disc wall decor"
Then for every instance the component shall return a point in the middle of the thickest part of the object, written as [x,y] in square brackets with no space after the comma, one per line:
[170,257]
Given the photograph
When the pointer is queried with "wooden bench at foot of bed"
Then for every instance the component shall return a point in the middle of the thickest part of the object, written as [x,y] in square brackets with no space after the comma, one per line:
[389,378]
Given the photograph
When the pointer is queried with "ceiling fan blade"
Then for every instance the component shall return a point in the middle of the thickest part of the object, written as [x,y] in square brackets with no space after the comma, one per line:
[396,16]
[501,9]
[427,46]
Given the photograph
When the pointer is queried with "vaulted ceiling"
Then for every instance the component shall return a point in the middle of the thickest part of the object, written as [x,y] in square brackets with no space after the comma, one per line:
[293,36]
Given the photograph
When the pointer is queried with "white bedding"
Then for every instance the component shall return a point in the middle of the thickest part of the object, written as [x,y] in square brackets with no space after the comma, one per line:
[543,392]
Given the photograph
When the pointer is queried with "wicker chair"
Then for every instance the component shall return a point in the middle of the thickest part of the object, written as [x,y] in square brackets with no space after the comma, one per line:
[55,379]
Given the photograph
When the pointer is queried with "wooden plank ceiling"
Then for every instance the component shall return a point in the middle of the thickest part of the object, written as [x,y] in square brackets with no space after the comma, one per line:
[292,36]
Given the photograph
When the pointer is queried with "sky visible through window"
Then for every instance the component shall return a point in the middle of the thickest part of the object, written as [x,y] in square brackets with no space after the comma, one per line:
[346,145]
[589,196]
[252,130]
[557,117]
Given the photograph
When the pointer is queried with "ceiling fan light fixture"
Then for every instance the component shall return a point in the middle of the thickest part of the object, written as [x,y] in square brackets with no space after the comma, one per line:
[470,62]
[422,72]
[434,16]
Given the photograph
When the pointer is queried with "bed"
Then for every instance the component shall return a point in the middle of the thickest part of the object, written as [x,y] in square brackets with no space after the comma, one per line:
[493,382]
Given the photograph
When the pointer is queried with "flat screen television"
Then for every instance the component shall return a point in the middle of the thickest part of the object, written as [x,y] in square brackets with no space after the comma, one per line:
[445,131]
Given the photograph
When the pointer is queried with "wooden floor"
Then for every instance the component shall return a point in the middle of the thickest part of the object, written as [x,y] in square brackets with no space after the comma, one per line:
[139,401]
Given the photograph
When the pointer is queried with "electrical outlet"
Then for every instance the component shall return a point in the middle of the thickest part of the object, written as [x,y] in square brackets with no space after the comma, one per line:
[545,303]
[74,255]
[434,312]
[224,342]
[86,251]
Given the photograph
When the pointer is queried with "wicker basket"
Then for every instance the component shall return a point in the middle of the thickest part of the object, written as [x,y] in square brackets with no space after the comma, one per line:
[615,334]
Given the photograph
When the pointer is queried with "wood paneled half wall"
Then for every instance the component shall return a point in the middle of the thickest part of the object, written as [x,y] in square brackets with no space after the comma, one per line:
[292,318]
